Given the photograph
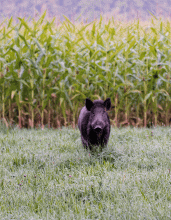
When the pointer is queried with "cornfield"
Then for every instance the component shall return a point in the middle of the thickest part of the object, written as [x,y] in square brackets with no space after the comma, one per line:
[47,71]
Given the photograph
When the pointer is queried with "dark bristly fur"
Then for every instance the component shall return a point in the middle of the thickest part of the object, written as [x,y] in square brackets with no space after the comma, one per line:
[94,123]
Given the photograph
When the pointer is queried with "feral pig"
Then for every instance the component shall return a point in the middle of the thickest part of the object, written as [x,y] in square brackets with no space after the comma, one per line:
[94,123]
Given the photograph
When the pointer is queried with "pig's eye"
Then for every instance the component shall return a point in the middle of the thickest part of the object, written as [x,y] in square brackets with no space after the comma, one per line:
[93,113]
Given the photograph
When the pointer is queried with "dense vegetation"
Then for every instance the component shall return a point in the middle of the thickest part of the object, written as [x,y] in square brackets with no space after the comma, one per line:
[48,175]
[47,71]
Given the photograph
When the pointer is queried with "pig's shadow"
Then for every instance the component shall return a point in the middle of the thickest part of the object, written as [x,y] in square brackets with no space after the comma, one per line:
[105,154]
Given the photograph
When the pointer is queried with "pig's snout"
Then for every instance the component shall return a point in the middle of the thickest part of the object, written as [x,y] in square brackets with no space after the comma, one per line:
[98,126]
[98,129]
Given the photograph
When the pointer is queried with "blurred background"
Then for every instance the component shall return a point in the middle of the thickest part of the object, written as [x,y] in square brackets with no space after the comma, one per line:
[89,10]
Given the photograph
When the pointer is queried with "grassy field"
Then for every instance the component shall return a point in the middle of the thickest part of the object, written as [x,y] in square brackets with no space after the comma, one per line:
[46,174]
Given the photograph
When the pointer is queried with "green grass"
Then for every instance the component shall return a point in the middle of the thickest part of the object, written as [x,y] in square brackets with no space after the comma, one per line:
[47,174]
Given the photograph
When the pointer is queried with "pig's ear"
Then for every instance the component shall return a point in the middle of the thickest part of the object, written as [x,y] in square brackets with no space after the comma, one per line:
[88,104]
[107,104]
